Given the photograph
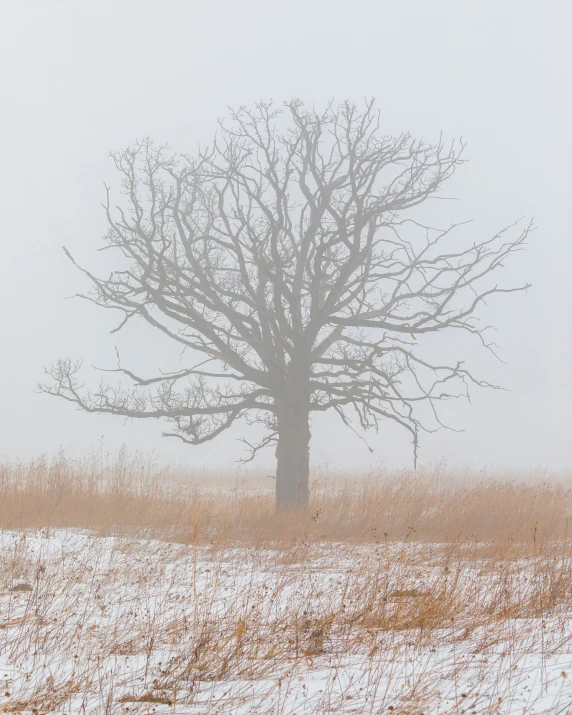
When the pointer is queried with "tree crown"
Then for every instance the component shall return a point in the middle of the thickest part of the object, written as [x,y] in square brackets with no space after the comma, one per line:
[287,259]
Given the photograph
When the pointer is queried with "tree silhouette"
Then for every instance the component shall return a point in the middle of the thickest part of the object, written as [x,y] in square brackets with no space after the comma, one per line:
[287,259]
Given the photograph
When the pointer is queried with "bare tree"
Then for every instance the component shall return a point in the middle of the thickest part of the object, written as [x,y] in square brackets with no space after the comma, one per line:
[282,258]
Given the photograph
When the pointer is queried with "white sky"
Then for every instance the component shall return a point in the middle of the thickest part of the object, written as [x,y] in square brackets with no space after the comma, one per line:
[80,78]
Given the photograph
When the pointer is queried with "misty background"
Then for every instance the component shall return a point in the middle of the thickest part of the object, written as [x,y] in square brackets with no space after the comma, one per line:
[83,78]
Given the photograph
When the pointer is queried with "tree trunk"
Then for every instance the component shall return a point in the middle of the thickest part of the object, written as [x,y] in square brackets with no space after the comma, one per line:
[293,452]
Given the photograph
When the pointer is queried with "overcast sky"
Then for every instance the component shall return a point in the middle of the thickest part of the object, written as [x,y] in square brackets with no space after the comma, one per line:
[82,78]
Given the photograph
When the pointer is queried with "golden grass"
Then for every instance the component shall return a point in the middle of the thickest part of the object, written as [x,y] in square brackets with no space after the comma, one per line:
[130,494]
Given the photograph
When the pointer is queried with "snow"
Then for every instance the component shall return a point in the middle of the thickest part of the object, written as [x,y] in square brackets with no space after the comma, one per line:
[250,630]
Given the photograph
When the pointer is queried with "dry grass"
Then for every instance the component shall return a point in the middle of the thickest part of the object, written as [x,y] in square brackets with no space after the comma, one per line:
[129,494]
[405,593]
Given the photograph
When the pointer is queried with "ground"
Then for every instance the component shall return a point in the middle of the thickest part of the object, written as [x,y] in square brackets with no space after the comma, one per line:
[128,624]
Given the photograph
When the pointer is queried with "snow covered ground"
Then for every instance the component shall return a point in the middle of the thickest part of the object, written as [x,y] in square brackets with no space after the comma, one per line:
[116,625]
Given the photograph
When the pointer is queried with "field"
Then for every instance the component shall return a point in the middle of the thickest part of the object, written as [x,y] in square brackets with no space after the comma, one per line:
[125,588]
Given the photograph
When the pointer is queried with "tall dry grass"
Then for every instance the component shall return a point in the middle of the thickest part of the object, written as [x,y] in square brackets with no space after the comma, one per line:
[130,493]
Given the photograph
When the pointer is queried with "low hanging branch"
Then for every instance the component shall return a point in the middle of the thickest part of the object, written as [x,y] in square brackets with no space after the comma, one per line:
[286,259]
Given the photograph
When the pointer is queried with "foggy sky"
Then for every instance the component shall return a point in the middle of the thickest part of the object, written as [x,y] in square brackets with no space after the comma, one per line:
[82,78]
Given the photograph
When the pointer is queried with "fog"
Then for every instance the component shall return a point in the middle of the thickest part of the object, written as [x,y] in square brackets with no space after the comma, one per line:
[83,78]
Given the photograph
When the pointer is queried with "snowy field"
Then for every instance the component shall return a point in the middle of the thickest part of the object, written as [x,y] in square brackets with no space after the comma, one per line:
[117,625]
